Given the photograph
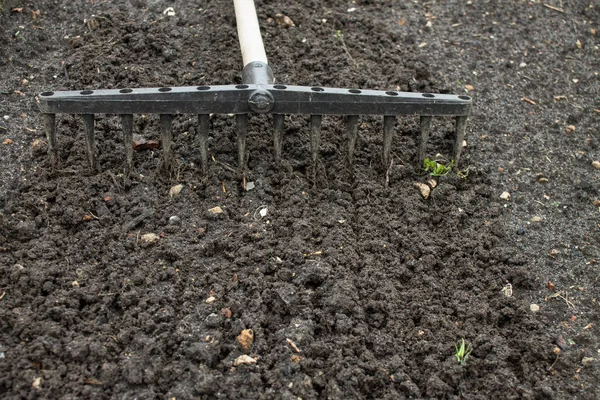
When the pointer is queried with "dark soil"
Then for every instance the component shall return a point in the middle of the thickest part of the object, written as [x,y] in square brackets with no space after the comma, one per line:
[353,288]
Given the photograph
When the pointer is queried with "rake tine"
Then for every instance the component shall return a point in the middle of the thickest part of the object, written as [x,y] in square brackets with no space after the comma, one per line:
[315,141]
[461,129]
[88,120]
[241,124]
[352,125]
[166,131]
[425,128]
[127,126]
[50,129]
[388,131]
[203,127]
[278,120]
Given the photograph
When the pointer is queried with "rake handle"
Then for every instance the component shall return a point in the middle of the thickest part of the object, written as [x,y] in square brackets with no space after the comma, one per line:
[251,43]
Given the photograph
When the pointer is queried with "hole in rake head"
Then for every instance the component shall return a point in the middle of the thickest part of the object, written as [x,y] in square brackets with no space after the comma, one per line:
[464,97]
[47,94]
[392,93]
[427,95]
[86,92]
[164,89]
[241,86]
[281,87]
[125,90]
[203,88]
[317,89]
[355,91]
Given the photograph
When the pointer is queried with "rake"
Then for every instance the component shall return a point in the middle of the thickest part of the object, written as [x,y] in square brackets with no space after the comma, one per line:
[258,94]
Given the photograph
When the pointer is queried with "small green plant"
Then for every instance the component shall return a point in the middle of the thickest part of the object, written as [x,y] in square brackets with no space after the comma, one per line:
[462,352]
[437,169]
[338,35]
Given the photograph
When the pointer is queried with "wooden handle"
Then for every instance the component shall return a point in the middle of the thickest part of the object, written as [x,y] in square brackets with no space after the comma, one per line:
[249,32]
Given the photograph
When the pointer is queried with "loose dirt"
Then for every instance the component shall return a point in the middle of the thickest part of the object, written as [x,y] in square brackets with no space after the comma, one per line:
[116,287]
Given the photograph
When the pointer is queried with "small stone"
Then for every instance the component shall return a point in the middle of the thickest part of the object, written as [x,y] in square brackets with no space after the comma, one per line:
[284,20]
[534,308]
[175,190]
[150,238]
[505,196]
[7,141]
[536,219]
[520,231]
[25,82]
[37,382]
[432,183]
[570,129]
[210,300]
[216,210]
[174,220]
[596,203]
[556,350]
[245,339]
[423,189]
[250,186]
[226,312]
[244,360]
[75,284]
[585,361]
[596,164]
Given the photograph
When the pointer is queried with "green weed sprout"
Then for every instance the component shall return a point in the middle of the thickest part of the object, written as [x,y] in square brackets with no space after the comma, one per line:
[462,352]
[338,34]
[436,169]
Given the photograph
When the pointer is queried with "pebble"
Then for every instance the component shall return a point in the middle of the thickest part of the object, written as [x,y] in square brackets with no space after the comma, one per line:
[175,190]
[505,196]
[520,231]
[216,210]
[596,164]
[587,361]
[150,238]
[570,129]
[174,220]
[245,339]
[423,189]
[534,308]
[249,186]
[244,360]
[536,219]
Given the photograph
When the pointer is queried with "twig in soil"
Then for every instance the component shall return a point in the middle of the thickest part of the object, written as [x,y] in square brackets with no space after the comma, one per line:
[560,10]
[560,296]
[340,36]
[137,220]
[291,343]
[2,295]
[387,173]
[528,100]
[64,68]
[553,364]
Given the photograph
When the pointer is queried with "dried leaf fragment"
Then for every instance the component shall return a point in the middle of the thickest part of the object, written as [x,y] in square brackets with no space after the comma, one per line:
[570,129]
[245,339]
[244,360]
[7,141]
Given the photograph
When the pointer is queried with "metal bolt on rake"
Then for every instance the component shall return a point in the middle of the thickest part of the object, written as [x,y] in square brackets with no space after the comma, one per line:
[258,94]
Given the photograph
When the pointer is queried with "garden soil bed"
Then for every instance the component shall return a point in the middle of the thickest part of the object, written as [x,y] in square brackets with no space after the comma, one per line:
[353,284]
